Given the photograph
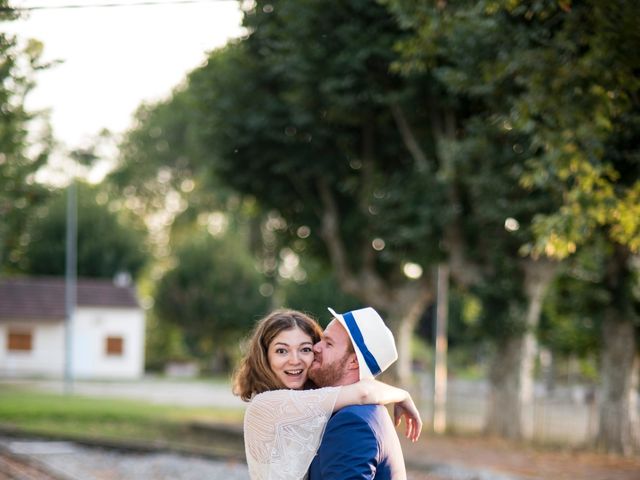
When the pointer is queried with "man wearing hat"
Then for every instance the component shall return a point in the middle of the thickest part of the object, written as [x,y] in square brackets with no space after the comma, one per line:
[360,441]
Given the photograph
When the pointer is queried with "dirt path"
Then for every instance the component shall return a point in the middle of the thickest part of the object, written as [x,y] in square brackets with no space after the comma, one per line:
[519,461]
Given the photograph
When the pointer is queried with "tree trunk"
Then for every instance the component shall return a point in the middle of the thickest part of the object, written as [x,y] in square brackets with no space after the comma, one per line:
[404,333]
[619,430]
[504,408]
[401,303]
[512,373]
[403,318]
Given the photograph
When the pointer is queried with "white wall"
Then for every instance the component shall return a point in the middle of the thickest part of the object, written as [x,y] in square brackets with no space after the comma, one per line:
[46,357]
[92,326]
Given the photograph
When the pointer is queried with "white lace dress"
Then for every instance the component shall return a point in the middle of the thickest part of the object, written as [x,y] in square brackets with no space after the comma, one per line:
[283,430]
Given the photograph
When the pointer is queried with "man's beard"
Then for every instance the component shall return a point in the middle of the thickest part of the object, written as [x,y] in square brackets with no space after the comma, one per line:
[330,374]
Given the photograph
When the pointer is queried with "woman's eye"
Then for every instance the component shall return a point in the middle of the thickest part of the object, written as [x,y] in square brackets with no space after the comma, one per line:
[280,351]
[307,350]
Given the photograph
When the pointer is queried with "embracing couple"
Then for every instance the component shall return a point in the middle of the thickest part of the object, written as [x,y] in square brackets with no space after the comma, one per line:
[316,410]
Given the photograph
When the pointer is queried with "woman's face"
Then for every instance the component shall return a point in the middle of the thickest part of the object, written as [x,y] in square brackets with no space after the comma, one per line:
[290,354]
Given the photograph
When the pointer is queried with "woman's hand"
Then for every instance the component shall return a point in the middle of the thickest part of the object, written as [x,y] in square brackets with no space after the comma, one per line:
[407,409]
[374,392]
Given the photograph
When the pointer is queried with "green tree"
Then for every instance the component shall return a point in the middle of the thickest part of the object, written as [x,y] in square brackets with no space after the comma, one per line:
[589,150]
[164,175]
[479,158]
[495,217]
[311,128]
[574,66]
[160,164]
[20,155]
[573,311]
[212,293]
[106,244]
[164,342]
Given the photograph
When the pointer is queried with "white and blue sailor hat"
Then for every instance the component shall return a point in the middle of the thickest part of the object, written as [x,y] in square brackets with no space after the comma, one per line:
[372,340]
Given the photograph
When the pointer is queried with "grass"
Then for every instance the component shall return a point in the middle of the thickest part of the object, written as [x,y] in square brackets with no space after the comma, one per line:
[95,419]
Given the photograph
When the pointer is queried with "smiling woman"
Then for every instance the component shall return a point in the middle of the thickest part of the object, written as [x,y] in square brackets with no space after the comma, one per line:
[281,342]
[114,59]
[290,356]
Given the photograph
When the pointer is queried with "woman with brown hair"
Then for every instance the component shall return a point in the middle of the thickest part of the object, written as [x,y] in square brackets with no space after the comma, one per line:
[286,418]
[255,373]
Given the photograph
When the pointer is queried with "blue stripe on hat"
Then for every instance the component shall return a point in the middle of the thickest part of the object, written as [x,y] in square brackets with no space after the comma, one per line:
[356,335]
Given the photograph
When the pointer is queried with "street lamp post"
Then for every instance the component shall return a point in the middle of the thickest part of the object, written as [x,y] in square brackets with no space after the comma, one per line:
[70,283]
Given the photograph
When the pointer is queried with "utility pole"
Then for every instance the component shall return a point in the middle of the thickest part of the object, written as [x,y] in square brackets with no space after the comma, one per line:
[440,374]
[70,283]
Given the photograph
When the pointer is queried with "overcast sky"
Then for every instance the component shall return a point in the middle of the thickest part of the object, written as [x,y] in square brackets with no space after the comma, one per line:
[114,58]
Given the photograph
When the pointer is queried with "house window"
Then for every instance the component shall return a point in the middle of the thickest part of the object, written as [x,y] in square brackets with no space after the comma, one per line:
[115,346]
[19,341]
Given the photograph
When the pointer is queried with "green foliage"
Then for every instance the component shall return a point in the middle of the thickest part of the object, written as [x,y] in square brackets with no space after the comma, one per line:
[318,291]
[164,172]
[584,119]
[575,305]
[470,51]
[212,292]
[498,212]
[525,115]
[564,75]
[557,83]
[466,322]
[20,156]
[106,244]
[466,50]
[288,113]
[161,154]
[164,342]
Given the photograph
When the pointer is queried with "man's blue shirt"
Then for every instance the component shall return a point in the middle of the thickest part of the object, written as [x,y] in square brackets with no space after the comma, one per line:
[360,442]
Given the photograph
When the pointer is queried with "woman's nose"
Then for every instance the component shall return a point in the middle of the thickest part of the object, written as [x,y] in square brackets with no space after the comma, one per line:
[294,357]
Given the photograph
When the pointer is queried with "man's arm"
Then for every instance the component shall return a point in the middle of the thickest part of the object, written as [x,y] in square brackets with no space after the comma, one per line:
[349,449]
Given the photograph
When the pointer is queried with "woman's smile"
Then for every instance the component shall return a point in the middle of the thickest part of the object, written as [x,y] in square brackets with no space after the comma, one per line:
[290,354]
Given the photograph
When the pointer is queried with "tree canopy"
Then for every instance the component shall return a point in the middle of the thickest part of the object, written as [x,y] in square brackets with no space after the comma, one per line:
[212,292]
[106,245]
[21,155]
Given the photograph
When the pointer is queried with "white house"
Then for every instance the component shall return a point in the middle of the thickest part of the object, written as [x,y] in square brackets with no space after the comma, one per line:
[107,331]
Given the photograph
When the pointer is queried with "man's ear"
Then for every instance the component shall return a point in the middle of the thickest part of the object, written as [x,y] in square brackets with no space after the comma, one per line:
[352,363]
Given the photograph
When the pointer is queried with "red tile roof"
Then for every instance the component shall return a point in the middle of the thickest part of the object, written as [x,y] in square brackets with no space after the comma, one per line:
[44,297]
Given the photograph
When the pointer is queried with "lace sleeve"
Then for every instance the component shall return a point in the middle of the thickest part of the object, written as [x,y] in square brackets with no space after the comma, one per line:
[283,430]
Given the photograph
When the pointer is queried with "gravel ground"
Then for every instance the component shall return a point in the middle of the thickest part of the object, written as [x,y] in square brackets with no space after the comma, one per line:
[70,461]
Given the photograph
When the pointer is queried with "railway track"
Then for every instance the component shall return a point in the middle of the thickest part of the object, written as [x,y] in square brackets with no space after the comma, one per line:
[15,467]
